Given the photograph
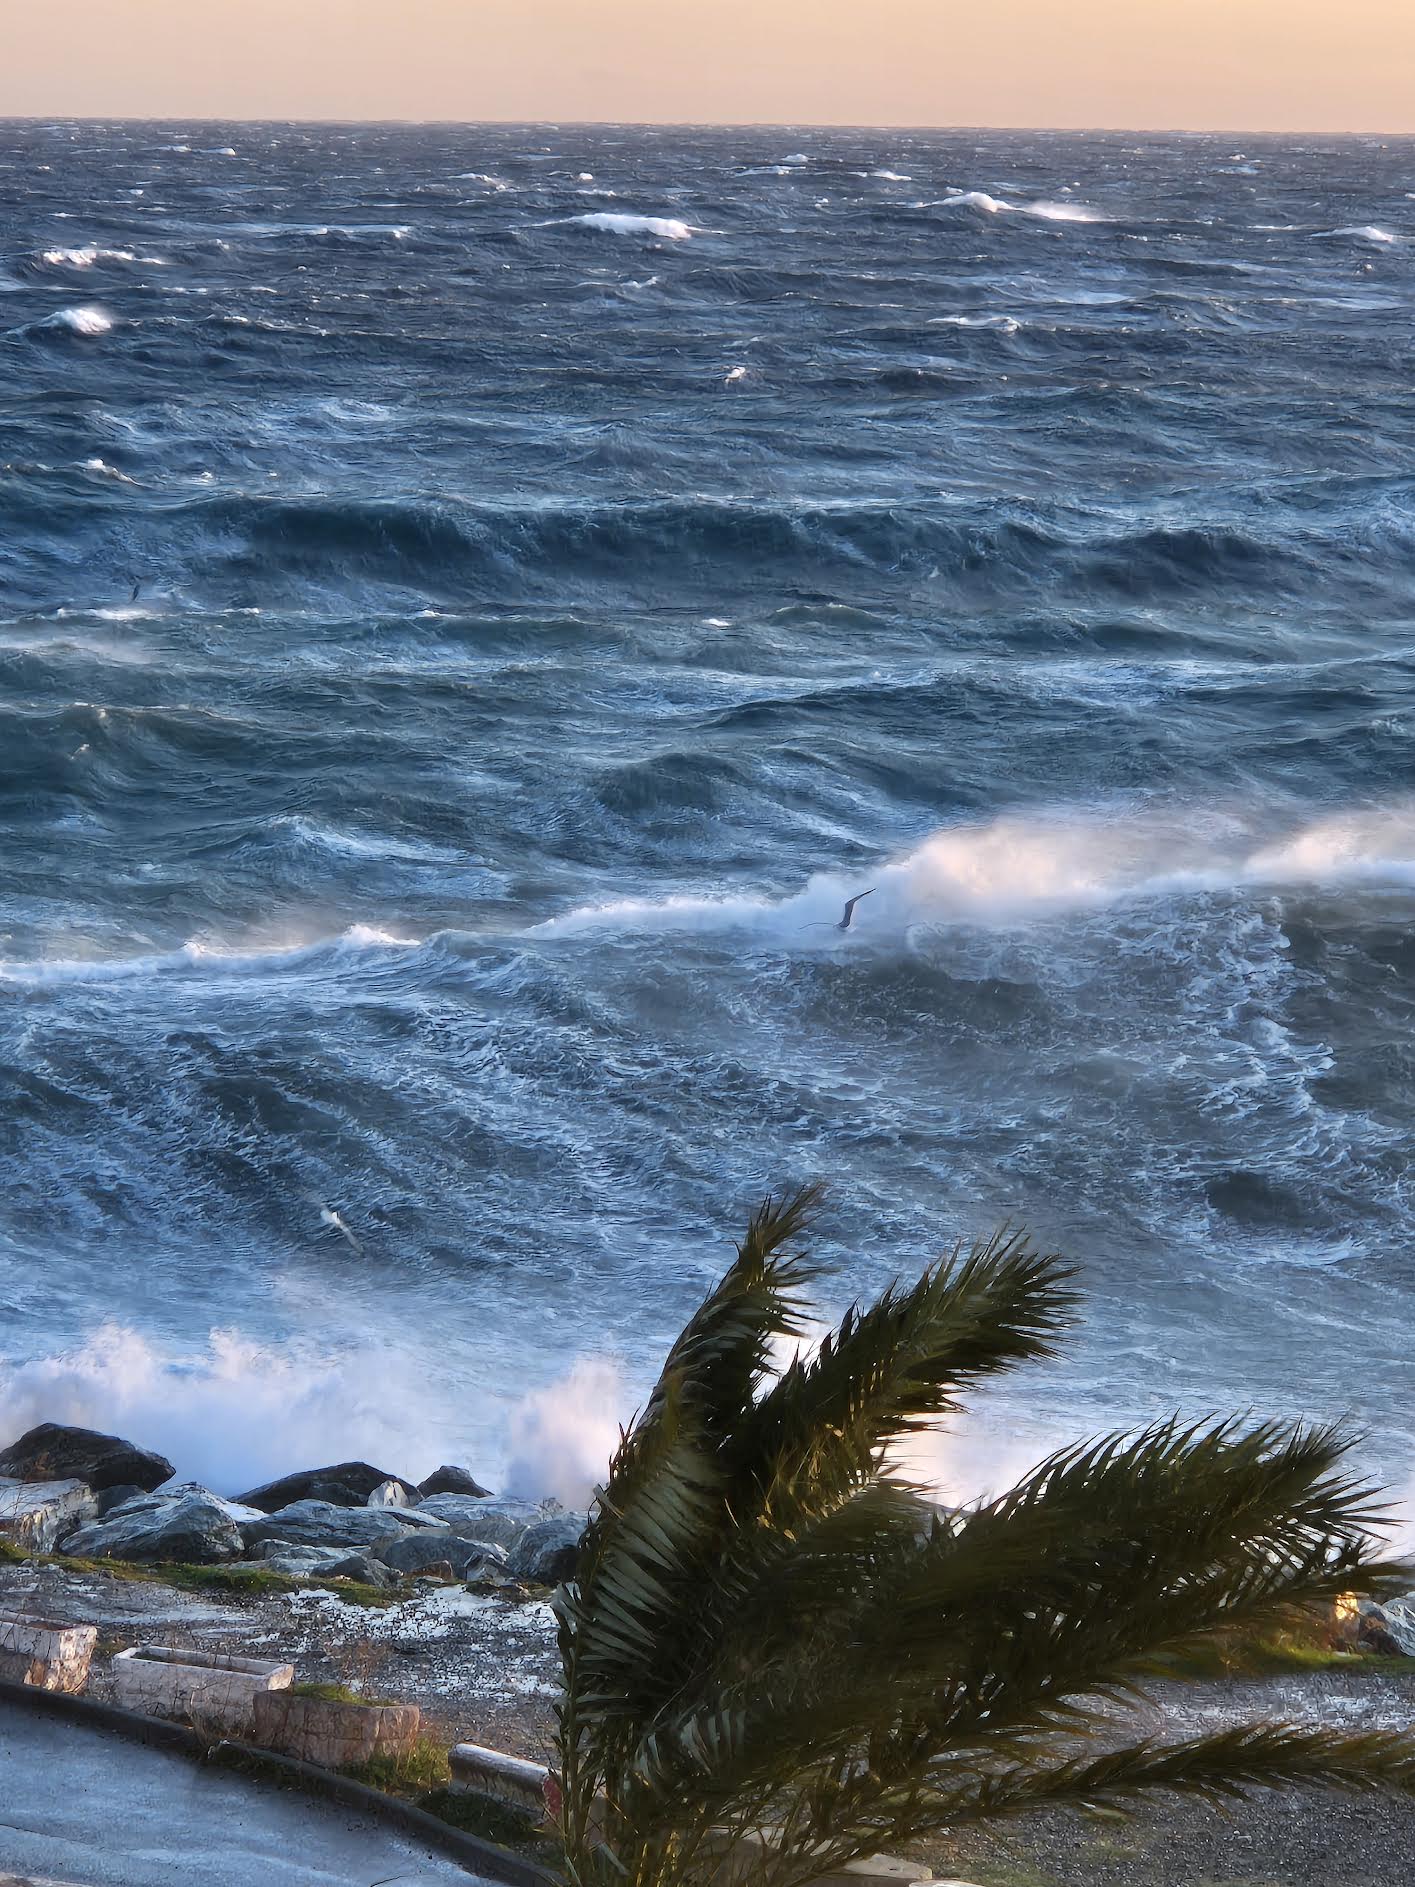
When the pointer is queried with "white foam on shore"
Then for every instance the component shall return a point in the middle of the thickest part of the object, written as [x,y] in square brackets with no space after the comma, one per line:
[238,1412]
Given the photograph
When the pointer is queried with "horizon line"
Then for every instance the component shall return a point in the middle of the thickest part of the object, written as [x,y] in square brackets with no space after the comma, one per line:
[713,124]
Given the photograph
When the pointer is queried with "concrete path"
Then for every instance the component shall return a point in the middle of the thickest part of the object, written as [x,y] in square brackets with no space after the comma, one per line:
[91,1808]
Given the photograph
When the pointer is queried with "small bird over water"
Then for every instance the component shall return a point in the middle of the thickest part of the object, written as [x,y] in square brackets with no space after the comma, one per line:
[844,923]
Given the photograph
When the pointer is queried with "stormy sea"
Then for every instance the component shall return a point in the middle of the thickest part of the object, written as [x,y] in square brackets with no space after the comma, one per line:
[474,604]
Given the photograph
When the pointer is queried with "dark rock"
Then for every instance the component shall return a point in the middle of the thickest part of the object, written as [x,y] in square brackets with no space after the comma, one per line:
[53,1452]
[453,1481]
[548,1551]
[347,1484]
[112,1497]
[420,1552]
[321,1523]
[187,1524]
[360,1566]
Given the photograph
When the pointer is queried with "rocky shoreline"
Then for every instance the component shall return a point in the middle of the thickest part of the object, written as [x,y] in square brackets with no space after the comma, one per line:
[438,1594]
[97,1497]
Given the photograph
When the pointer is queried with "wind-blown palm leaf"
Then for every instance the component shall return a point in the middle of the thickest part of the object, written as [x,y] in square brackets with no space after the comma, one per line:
[770,1625]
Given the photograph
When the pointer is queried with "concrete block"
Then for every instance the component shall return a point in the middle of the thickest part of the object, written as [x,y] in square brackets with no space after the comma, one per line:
[205,1688]
[505,1780]
[742,1857]
[45,1654]
[334,1735]
[35,1515]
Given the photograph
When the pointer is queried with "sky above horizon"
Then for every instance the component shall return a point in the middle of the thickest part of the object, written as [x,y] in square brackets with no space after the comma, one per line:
[1243,65]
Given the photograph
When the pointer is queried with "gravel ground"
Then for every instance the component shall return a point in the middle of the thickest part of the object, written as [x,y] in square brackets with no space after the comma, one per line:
[483,1668]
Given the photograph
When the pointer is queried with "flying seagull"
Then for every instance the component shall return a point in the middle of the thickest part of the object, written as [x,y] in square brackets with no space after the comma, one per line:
[844,923]
[335,1221]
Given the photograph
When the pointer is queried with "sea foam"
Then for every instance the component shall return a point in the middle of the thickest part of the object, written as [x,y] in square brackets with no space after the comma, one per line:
[1020,867]
[618,223]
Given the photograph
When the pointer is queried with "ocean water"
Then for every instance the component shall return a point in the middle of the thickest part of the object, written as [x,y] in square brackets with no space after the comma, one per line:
[473,605]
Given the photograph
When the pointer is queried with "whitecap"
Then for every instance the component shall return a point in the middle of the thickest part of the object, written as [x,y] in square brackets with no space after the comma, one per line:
[90,322]
[997,206]
[1363,232]
[1020,868]
[1002,323]
[892,176]
[621,223]
[198,955]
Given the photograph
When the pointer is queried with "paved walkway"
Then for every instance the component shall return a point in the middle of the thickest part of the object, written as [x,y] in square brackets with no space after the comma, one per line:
[91,1808]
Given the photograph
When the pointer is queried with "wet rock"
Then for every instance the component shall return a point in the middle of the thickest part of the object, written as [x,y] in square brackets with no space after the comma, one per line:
[1382,1631]
[501,1521]
[420,1552]
[346,1484]
[36,1515]
[1400,1623]
[549,1551]
[53,1452]
[449,1480]
[186,1523]
[321,1523]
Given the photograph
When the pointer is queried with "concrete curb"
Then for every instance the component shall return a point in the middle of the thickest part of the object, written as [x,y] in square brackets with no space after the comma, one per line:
[478,1856]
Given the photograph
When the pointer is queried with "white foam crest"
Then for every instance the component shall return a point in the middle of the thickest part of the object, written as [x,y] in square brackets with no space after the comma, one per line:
[90,322]
[892,176]
[481,176]
[105,470]
[621,223]
[1363,232]
[234,1413]
[1020,867]
[996,206]
[1004,324]
[197,954]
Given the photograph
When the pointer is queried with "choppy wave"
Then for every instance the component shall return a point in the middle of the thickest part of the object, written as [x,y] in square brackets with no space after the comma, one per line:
[1017,868]
[91,322]
[452,677]
[201,957]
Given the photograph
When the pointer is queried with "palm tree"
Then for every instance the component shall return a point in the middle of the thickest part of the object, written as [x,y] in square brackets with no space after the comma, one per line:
[772,1630]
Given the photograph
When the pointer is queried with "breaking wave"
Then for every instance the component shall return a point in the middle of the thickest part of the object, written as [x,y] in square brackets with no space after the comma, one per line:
[669,228]
[1018,868]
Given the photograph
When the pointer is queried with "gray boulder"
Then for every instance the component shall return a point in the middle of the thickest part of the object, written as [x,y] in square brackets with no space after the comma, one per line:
[346,1484]
[453,1481]
[549,1551]
[501,1521]
[35,1515]
[184,1523]
[320,1523]
[418,1552]
[53,1452]
[361,1566]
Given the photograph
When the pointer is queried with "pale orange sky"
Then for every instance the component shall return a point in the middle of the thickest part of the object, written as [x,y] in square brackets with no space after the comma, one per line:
[1259,65]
